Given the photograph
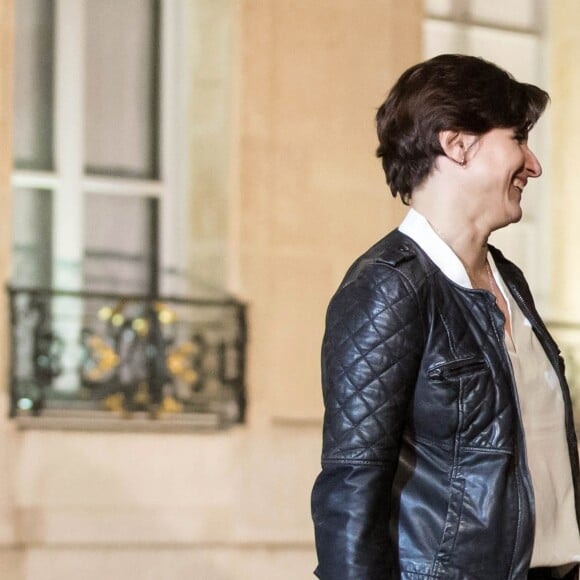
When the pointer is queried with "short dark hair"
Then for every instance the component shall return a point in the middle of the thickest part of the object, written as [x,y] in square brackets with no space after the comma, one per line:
[449,92]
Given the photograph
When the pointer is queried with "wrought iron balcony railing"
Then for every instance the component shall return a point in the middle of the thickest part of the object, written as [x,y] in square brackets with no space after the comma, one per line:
[98,360]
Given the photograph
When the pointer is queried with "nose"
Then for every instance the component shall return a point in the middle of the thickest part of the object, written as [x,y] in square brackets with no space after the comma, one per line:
[532,164]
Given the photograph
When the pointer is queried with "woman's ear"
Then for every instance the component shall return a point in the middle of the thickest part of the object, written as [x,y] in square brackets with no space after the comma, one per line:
[456,145]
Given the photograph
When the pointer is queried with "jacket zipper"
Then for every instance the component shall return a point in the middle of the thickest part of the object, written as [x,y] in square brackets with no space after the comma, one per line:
[457,368]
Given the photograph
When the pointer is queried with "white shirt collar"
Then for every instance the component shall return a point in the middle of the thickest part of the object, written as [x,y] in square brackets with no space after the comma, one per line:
[416,226]
[420,230]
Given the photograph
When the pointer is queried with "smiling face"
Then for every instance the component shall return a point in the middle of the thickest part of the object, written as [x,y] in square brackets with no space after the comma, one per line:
[500,166]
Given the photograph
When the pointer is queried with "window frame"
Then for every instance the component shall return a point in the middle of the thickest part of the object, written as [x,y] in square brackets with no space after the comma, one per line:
[69,183]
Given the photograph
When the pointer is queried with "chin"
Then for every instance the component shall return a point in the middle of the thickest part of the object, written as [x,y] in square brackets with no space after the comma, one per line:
[512,217]
[516,217]
[514,213]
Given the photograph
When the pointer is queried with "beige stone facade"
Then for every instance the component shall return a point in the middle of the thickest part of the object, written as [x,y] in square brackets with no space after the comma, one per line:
[312,195]
[304,196]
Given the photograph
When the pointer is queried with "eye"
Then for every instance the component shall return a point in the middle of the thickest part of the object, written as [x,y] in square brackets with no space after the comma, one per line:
[520,135]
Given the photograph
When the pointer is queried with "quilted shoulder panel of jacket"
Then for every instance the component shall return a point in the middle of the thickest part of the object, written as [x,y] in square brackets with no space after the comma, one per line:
[371,354]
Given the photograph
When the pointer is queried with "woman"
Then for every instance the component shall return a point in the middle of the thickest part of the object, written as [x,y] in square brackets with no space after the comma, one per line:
[449,449]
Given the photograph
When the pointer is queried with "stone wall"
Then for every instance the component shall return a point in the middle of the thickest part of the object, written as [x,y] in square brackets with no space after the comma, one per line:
[312,193]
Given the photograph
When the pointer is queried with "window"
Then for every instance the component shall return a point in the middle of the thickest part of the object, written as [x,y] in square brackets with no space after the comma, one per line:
[92,115]
[511,35]
[101,202]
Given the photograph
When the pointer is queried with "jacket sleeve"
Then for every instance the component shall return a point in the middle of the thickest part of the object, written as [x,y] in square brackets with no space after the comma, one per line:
[371,354]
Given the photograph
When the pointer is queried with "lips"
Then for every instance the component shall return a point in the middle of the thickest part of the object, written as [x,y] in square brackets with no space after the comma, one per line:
[519,184]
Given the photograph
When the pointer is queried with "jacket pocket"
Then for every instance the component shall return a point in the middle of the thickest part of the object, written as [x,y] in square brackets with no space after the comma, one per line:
[457,368]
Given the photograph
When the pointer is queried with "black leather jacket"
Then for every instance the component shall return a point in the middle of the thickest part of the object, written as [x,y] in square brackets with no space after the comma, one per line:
[424,471]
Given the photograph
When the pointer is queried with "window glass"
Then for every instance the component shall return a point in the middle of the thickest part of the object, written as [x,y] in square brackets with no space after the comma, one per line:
[117,243]
[121,88]
[518,53]
[439,7]
[31,227]
[516,13]
[33,70]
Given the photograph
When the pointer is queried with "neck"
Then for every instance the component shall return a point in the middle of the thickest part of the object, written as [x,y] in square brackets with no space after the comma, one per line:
[463,236]
[455,215]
